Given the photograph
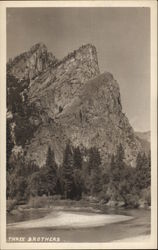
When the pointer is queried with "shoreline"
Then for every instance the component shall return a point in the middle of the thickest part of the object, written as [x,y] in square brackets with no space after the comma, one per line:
[22,213]
[65,219]
[77,206]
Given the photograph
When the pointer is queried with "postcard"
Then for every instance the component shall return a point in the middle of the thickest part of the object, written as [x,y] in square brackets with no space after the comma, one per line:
[78,124]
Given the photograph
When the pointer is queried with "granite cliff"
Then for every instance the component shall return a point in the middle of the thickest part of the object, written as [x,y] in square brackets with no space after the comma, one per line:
[30,64]
[73,101]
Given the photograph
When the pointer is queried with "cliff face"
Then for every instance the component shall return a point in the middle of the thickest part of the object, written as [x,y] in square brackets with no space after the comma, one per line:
[93,118]
[73,101]
[30,64]
[55,88]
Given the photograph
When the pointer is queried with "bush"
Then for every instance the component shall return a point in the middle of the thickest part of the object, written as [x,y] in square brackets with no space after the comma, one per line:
[55,197]
[39,202]
[146,196]
[103,196]
[132,200]
[11,205]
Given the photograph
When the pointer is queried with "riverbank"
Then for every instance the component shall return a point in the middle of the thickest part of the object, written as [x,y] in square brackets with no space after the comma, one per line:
[54,201]
[69,220]
[47,203]
[30,211]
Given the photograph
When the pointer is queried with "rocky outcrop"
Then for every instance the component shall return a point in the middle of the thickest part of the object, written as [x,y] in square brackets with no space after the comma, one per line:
[55,88]
[73,101]
[93,118]
[30,64]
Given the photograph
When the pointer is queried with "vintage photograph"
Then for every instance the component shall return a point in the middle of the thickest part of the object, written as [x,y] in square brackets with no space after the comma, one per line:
[78,124]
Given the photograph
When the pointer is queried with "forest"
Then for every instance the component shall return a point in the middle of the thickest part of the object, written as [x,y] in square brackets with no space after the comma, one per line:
[77,178]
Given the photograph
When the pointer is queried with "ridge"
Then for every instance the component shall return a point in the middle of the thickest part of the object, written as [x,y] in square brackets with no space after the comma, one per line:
[26,53]
[30,64]
[83,48]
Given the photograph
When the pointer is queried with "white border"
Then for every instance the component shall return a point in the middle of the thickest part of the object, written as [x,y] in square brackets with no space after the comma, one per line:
[152,243]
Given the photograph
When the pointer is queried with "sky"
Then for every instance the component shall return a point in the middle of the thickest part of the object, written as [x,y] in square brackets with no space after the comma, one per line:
[121,36]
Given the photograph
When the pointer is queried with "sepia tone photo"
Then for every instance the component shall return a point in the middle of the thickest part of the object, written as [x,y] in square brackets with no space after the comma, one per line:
[78,126]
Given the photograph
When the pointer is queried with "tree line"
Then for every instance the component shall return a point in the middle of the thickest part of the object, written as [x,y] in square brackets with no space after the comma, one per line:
[81,174]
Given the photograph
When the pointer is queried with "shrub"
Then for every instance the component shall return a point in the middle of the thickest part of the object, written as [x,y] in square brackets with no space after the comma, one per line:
[11,205]
[103,196]
[132,200]
[146,196]
[56,197]
[39,202]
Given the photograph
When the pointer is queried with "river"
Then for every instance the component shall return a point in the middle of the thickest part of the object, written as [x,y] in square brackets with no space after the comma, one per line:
[138,225]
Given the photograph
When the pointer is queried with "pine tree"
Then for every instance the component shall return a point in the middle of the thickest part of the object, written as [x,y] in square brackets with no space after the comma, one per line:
[143,171]
[94,171]
[50,160]
[34,184]
[50,172]
[96,181]
[77,158]
[94,159]
[67,172]
[118,183]
[77,173]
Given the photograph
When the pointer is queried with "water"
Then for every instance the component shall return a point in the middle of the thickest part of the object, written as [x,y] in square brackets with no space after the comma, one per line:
[139,225]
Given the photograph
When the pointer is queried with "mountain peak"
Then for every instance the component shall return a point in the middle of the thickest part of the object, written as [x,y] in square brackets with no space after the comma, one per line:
[37,46]
[87,46]
[30,64]
[86,52]
[65,78]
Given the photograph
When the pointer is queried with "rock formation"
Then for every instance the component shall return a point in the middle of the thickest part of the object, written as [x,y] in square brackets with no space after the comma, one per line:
[30,64]
[73,101]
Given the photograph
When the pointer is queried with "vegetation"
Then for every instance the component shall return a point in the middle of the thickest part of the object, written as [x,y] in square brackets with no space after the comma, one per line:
[11,204]
[38,202]
[67,173]
[77,178]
